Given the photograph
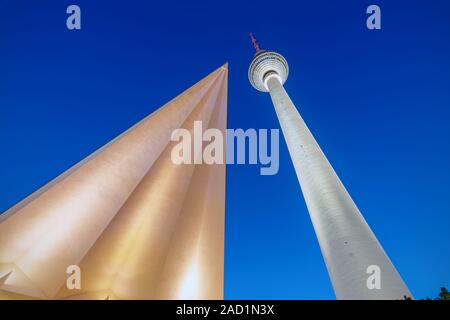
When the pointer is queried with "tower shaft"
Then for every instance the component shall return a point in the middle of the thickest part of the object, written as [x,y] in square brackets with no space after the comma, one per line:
[349,247]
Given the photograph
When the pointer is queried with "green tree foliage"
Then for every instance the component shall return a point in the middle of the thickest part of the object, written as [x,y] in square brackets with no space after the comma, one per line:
[444,294]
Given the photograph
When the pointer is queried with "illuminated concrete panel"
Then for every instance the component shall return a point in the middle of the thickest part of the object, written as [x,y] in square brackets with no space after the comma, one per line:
[139,226]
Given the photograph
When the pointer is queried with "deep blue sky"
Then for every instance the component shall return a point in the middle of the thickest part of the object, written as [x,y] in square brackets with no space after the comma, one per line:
[377,101]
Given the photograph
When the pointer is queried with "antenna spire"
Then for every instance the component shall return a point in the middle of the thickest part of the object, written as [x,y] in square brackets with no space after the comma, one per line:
[255,43]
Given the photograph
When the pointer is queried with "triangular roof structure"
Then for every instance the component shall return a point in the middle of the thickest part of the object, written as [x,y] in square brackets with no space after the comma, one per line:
[137,225]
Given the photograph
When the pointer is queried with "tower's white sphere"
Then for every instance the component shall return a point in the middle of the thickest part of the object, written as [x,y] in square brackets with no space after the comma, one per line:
[267,64]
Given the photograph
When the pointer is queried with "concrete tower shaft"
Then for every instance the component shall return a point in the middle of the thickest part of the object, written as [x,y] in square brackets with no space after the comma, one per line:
[350,249]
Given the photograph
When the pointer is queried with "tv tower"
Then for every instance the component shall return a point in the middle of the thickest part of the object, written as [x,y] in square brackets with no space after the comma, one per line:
[358,266]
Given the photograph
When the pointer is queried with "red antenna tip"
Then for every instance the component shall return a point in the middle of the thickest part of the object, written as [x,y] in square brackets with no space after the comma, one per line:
[255,43]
